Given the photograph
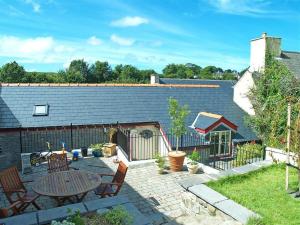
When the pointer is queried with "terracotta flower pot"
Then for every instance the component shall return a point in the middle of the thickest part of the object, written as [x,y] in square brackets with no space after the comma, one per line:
[176,160]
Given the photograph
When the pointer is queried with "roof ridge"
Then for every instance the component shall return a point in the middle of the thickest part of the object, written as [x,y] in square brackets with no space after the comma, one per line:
[106,85]
[290,51]
[168,78]
[213,115]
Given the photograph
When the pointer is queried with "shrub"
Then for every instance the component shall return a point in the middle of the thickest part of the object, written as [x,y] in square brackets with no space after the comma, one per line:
[97,147]
[118,216]
[75,218]
[160,161]
[247,152]
[194,157]
[64,222]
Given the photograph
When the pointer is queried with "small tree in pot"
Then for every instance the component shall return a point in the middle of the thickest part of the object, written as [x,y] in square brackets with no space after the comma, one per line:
[193,165]
[178,116]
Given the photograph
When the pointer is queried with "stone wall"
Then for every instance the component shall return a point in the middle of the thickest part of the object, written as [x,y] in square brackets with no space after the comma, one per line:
[10,149]
[192,205]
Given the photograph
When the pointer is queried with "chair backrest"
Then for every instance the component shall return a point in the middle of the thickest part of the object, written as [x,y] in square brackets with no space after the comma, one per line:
[57,162]
[10,182]
[120,174]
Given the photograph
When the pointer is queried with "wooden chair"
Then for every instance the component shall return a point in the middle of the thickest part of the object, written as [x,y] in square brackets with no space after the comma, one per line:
[15,191]
[112,188]
[57,162]
[4,212]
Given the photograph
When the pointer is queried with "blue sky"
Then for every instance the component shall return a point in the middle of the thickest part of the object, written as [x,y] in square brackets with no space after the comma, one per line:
[46,35]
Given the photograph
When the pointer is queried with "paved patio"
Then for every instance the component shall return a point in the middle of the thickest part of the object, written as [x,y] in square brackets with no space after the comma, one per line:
[156,196]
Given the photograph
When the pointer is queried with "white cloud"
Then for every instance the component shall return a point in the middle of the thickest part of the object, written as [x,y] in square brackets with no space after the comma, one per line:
[94,41]
[33,50]
[122,41]
[129,21]
[35,6]
[243,7]
[14,45]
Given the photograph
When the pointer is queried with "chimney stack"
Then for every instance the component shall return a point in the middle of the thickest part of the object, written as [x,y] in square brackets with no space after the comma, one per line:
[259,48]
[154,79]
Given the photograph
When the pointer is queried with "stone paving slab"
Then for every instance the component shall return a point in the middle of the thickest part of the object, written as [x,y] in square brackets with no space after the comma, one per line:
[192,181]
[245,169]
[263,163]
[24,219]
[235,210]
[59,213]
[105,202]
[207,194]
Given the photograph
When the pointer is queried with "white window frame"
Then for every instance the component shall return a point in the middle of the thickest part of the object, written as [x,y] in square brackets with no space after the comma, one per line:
[35,113]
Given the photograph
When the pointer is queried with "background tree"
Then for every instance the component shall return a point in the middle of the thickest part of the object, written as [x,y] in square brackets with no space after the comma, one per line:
[12,73]
[100,72]
[77,72]
[128,74]
[178,116]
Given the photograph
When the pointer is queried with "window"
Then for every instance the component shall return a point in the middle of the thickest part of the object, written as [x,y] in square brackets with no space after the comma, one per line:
[221,142]
[40,110]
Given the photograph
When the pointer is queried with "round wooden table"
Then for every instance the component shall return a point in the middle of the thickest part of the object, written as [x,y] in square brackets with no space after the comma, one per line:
[64,185]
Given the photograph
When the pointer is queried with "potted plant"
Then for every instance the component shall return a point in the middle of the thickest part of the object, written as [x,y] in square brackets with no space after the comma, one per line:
[97,149]
[110,148]
[160,163]
[178,115]
[193,164]
[84,151]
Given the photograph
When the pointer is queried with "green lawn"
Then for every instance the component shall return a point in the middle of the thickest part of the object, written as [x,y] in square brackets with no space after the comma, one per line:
[263,191]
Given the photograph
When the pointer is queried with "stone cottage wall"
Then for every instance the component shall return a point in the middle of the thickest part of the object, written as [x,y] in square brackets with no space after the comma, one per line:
[10,152]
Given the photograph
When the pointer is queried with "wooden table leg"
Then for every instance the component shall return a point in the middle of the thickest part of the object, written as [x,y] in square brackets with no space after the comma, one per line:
[79,199]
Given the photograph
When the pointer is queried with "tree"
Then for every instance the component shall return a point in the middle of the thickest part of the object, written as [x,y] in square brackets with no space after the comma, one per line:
[128,74]
[100,72]
[12,73]
[187,71]
[145,75]
[269,99]
[295,142]
[178,116]
[77,72]
[208,72]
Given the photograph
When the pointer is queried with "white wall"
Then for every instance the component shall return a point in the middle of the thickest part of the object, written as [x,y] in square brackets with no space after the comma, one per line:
[279,155]
[241,91]
[257,54]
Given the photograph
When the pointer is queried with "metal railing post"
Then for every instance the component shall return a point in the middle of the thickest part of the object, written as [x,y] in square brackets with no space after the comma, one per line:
[72,136]
[21,144]
[264,152]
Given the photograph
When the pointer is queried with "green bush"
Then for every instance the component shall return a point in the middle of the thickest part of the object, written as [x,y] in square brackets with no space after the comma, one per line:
[97,147]
[118,216]
[75,218]
[246,152]
[194,157]
[160,161]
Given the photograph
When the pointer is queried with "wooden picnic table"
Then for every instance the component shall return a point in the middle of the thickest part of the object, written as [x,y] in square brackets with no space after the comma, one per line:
[64,185]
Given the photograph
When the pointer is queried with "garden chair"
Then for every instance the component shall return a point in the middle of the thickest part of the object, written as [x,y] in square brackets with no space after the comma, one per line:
[112,188]
[4,212]
[58,162]
[15,191]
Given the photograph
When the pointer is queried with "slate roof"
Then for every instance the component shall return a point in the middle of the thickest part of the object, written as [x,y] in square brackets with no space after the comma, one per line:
[111,104]
[292,61]
[203,121]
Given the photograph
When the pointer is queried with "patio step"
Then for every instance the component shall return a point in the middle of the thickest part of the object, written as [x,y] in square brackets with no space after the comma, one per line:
[42,217]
